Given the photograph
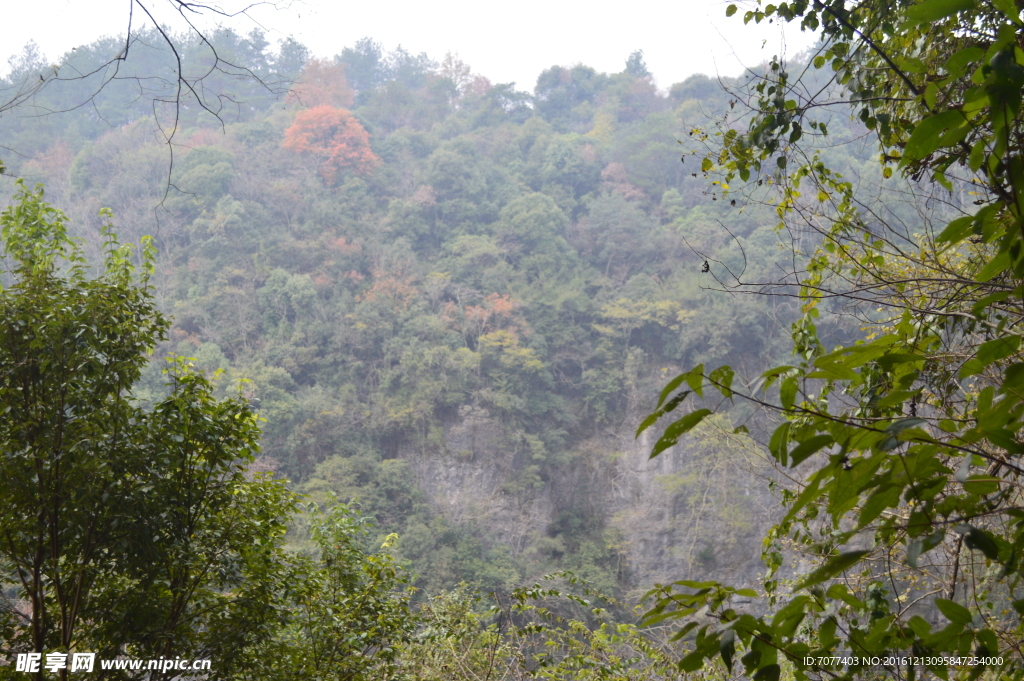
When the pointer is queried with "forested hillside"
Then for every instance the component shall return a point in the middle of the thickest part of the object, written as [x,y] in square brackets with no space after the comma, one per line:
[450,299]
[754,341]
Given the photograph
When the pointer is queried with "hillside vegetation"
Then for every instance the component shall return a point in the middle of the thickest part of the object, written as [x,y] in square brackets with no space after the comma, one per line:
[451,300]
[755,342]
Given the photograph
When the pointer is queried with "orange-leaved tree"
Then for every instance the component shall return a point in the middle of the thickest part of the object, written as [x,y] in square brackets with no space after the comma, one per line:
[334,138]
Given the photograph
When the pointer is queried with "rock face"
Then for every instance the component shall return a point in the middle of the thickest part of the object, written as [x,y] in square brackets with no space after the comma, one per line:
[473,479]
[697,511]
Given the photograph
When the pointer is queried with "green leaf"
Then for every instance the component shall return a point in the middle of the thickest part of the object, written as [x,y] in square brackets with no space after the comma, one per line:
[669,407]
[723,376]
[961,59]
[988,643]
[692,662]
[695,379]
[648,421]
[931,11]
[706,165]
[977,156]
[677,429]
[787,392]
[1001,437]
[778,442]
[971,367]
[954,612]
[999,264]
[727,648]
[730,10]
[670,388]
[812,491]
[833,567]
[789,617]
[983,303]
[981,540]
[683,630]
[903,424]
[997,349]
[920,626]
[981,485]
[884,497]
[769,672]
[1009,9]
[927,135]
[772,375]
[832,370]
[957,230]
[808,447]
[897,427]
[827,633]
[1013,377]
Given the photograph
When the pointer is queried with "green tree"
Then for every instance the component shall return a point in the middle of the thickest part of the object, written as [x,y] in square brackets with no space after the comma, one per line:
[349,611]
[536,632]
[532,229]
[127,532]
[566,96]
[905,442]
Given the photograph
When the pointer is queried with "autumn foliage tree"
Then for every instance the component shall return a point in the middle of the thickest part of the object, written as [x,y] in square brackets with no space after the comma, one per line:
[334,139]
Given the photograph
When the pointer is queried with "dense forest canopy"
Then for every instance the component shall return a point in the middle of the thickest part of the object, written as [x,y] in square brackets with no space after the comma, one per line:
[451,302]
[420,272]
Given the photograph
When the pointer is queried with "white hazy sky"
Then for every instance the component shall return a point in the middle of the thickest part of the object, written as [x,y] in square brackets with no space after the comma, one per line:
[504,41]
